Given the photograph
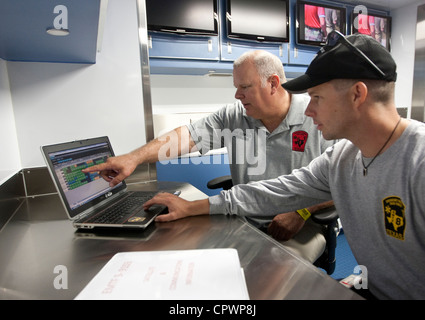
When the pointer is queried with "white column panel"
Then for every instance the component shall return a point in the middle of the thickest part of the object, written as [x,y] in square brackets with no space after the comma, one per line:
[9,160]
[403,51]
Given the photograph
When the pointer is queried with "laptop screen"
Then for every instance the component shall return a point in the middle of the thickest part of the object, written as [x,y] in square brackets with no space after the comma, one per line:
[79,190]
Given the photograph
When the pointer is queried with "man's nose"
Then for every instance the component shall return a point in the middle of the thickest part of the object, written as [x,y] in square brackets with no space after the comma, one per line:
[238,94]
[308,111]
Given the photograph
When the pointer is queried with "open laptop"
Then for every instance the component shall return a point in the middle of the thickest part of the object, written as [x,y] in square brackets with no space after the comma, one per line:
[88,199]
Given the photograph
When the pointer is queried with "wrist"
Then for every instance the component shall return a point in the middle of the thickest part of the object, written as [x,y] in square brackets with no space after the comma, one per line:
[198,207]
[319,207]
[136,157]
[307,212]
[304,213]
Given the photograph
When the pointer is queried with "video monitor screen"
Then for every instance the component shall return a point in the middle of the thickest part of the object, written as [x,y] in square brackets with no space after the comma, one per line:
[258,20]
[377,26]
[315,21]
[189,17]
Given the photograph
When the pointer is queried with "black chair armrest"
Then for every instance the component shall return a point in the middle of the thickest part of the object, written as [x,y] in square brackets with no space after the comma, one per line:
[224,182]
[325,216]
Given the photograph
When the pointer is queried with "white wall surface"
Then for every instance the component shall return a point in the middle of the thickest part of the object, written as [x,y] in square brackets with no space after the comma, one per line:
[190,94]
[403,51]
[10,162]
[180,99]
[56,102]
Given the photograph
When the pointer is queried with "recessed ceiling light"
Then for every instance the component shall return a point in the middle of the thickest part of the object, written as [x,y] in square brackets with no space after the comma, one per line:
[57,32]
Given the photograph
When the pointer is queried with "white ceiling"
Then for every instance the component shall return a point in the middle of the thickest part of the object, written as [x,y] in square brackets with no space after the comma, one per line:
[384,4]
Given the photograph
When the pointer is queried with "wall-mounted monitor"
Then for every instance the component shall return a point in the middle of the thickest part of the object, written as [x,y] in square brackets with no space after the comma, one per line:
[188,17]
[315,21]
[258,20]
[377,26]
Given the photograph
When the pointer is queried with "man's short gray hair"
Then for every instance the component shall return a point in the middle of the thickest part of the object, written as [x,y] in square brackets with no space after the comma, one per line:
[267,64]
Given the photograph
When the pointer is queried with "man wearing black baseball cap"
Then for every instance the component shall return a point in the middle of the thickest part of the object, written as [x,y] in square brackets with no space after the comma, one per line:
[375,174]
[354,57]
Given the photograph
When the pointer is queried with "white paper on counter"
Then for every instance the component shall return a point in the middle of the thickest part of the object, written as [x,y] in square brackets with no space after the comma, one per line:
[203,274]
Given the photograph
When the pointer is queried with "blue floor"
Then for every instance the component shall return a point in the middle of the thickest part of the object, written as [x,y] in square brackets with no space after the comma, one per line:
[345,261]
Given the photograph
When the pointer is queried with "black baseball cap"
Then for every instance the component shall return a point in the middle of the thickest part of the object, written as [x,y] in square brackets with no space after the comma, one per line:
[357,56]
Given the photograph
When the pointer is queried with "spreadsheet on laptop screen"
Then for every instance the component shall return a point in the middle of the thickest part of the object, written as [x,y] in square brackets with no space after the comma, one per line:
[78,187]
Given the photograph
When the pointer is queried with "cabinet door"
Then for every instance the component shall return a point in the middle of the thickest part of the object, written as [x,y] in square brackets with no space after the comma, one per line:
[183,47]
[302,55]
[232,49]
[24,25]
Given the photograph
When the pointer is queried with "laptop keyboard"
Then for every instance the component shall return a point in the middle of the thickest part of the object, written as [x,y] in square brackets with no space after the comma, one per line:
[119,212]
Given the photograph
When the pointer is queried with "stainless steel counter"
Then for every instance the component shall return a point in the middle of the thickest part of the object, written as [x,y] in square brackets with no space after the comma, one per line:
[39,237]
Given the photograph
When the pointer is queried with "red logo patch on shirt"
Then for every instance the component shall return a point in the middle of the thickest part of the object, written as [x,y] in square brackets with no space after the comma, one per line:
[299,139]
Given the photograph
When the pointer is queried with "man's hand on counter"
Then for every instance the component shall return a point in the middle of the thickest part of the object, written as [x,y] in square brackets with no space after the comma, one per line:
[178,208]
[284,226]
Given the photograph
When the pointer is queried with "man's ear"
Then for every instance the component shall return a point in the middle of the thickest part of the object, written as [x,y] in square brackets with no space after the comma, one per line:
[358,93]
[275,82]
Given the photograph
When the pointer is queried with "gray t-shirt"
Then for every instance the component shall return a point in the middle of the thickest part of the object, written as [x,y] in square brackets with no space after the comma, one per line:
[383,213]
[255,153]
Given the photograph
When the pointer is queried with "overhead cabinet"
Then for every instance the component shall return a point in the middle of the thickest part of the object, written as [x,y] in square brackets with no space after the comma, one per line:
[50,30]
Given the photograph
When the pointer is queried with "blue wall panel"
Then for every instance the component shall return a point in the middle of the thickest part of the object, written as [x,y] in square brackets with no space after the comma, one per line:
[196,171]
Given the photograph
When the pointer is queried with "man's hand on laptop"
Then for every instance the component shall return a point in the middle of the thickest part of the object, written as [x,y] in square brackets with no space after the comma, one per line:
[178,208]
[115,169]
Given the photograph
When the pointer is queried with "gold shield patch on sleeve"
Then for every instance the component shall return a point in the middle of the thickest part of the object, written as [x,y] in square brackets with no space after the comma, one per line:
[395,220]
